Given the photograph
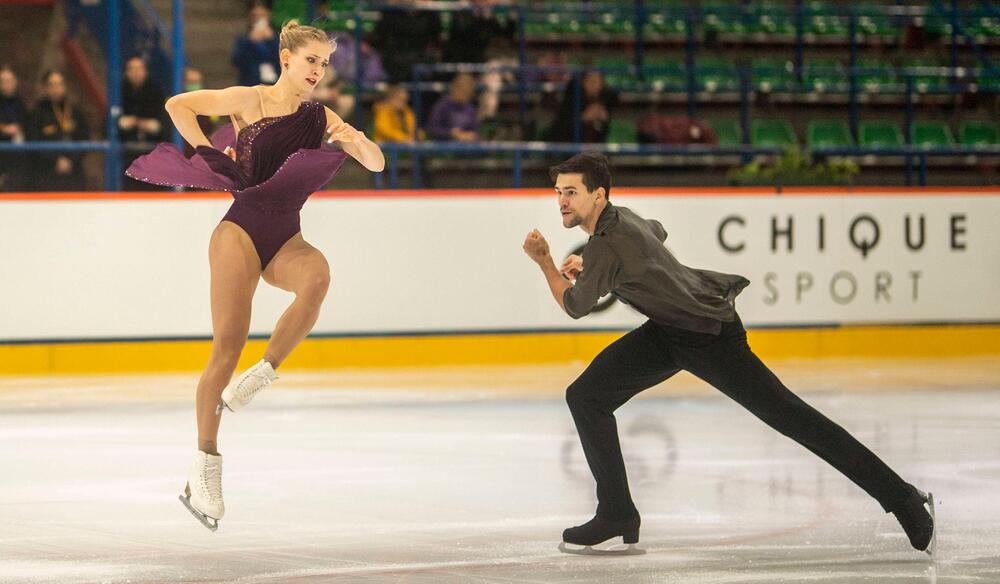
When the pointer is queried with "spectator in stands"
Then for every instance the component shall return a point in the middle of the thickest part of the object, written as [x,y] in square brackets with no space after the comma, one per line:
[404,37]
[255,54]
[143,115]
[56,119]
[470,37]
[394,120]
[596,104]
[343,62]
[143,118]
[454,116]
[12,122]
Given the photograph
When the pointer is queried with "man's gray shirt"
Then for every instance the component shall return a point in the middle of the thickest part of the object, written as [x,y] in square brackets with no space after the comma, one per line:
[627,258]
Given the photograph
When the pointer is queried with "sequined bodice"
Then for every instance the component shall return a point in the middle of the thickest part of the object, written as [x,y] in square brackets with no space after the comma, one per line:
[263,146]
[245,140]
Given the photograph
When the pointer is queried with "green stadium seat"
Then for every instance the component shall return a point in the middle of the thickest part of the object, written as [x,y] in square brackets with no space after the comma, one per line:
[666,23]
[825,76]
[829,133]
[822,19]
[877,76]
[612,22]
[771,18]
[721,17]
[987,80]
[772,133]
[666,72]
[773,75]
[978,134]
[727,131]
[873,21]
[927,74]
[931,134]
[619,72]
[622,132]
[982,24]
[879,134]
[717,75]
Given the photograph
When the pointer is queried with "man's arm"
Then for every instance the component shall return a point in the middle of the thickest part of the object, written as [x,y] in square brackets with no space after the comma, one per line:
[538,250]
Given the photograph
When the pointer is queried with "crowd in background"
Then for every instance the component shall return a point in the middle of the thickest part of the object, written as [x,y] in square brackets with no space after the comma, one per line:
[466,111]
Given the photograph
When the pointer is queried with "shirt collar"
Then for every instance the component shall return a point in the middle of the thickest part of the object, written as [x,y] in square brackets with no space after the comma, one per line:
[607,220]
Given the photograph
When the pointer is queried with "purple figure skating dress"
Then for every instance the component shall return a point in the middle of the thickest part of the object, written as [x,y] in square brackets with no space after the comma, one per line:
[280,161]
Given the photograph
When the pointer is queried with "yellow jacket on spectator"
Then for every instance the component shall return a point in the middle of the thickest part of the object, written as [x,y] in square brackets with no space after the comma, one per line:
[392,124]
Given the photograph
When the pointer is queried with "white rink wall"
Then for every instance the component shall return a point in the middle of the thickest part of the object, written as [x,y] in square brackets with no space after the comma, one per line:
[101,267]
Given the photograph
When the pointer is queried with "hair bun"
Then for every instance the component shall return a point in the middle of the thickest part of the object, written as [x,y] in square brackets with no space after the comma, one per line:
[293,23]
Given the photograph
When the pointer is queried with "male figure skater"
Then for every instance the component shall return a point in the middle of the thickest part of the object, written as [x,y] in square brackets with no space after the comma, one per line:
[693,326]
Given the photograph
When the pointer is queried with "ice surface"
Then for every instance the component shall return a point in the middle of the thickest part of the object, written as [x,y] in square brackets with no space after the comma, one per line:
[427,477]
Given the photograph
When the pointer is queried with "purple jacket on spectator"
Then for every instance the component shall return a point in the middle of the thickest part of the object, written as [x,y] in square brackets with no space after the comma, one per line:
[448,114]
[343,61]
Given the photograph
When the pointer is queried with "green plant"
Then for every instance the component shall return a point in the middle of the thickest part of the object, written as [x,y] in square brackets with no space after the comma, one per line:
[795,167]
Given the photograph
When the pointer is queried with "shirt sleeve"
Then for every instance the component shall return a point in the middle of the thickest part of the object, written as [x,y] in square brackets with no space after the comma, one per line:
[599,277]
[658,229]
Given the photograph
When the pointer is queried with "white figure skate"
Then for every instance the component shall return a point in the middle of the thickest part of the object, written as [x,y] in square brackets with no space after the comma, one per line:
[203,491]
[241,390]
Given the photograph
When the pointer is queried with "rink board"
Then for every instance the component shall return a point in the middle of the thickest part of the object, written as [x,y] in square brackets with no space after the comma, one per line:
[105,282]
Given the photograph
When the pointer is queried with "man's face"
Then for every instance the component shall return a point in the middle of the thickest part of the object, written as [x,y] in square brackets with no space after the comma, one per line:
[135,72]
[576,203]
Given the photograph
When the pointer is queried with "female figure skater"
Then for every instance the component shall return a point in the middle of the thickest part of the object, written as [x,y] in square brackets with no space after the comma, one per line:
[274,156]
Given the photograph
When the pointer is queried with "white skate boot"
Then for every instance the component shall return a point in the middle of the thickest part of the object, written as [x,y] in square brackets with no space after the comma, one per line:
[241,390]
[203,491]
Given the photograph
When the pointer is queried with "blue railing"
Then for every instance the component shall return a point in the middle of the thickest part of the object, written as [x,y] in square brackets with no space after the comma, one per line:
[914,156]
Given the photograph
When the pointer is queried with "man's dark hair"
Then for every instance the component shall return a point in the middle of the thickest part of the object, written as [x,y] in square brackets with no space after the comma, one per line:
[592,165]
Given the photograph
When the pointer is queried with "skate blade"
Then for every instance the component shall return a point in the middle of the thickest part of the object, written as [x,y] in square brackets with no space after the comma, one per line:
[222,406]
[209,522]
[618,549]
[932,546]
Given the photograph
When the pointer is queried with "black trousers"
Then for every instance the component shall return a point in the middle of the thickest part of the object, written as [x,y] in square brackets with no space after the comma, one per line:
[652,353]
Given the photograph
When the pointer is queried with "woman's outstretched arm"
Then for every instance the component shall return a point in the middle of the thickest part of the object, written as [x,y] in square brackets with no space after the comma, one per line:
[354,142]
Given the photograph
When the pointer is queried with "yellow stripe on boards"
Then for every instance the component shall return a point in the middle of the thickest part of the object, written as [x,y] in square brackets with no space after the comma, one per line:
[487,349]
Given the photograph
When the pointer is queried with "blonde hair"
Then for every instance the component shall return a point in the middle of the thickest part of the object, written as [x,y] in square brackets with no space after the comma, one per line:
[294,35]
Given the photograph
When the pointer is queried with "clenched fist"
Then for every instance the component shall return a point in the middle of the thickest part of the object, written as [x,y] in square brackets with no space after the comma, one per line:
[535,246]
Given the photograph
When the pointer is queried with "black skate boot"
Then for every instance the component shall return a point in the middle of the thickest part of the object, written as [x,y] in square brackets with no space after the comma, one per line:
[916,515]
[582,538]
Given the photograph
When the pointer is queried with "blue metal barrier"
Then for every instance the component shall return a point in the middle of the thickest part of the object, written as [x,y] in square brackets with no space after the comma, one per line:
[519,149]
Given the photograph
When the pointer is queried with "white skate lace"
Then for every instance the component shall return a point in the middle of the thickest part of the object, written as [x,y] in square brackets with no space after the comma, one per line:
[211,484]
[245,390]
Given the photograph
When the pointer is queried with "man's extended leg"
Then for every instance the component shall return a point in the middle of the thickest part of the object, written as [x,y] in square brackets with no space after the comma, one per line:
[731,367]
